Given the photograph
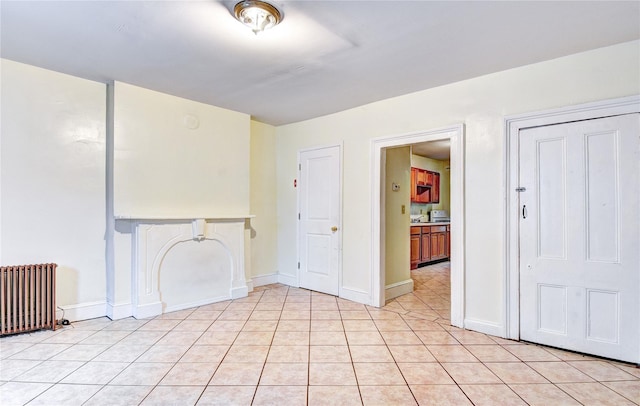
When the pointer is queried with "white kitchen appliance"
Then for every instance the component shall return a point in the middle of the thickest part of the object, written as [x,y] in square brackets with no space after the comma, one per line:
[439,216]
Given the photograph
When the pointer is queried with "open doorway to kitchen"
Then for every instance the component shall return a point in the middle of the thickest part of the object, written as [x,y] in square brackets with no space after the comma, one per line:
[385,204]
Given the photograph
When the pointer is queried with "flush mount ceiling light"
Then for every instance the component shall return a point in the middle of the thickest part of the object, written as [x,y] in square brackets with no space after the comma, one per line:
[257,15]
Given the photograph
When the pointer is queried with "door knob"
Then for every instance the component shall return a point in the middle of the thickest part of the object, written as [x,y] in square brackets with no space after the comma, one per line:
[334,229]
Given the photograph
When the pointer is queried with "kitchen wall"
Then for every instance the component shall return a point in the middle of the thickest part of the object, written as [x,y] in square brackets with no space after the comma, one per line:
[434,165]
[481,104]
[52,178]
[397,249]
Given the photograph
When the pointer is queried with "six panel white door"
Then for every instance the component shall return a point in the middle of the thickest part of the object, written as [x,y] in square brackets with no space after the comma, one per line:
[579,236]
[320,234]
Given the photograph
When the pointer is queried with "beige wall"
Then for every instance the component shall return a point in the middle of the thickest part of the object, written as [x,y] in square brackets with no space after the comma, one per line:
[264,236]
[52,183]
[481,104]
[397,249]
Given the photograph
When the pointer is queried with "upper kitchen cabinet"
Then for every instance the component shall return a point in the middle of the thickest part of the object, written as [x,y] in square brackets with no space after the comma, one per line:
[425,186]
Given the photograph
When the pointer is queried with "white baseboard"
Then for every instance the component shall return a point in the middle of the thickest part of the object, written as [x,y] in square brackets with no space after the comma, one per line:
[355,295]
[250,285]
[119,311]
[290,280]
[239,292]
[147,310]
[398,289]
[83,311]
[486,327]
[262,280]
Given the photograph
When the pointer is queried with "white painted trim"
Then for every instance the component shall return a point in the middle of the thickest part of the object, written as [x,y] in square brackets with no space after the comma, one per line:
[456,135]
[398,289]
[249,285]
[262,280]
[513,125]
[340,146]
[291,280]
[147,310]
[119,311]
[238,292]
[84,311]
[484,326]
[355,295]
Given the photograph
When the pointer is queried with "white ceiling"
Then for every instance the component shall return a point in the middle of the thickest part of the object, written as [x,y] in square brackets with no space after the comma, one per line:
[440,150]
[326,56]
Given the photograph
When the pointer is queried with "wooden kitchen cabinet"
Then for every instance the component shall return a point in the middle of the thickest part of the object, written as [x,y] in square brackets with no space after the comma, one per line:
[415,247]
[439,243]
[425,245]
[429,243]
[425,186]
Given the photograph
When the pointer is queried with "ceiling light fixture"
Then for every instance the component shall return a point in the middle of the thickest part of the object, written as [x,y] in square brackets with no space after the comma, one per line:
[257,15]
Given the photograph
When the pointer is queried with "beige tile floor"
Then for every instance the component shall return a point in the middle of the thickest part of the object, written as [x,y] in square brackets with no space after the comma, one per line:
[286,346]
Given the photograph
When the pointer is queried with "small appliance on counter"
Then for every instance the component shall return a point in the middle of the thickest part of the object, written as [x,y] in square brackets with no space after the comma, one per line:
[438,216]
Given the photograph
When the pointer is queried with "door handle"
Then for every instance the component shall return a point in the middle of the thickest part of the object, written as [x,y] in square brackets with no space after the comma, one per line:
[524,211]
[334,229]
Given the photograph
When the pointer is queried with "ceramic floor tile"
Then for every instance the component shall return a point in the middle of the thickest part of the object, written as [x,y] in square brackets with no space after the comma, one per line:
[189,373]
[386,395]
[193,325]
[177,315]
[40,351]
[324,306]
[370,353]
[594,393]
[326,325]
[470,373]
[325,315]
[217,338]
[260,325]
[294,325]
[489,395]
[164,353]
[296,306]
[423,325]
[122,353]
[332,374]
[411,353]
[269,306]
[333,395]
[227,325]
[119,396]
[159,325]
[290,338]
[530,353]
[98,373]
[173,395]
[543,395]
[425,373]
[67,395]
[295,315]
[128,324]
[70,337]
[451,353]
[254,338]
[329,353]
[386,373]
[237,305]
[227,395]
[628,389]
[246,373]
[49,371]
[20,393]
[142,373]
[601,371]
[288,353]
[81,352]
[234,315]
[142,338]
[392,325]
[327,338]
[515,372]
[491,353]
[280,395]
[436,337]
[441,395]
[359,325]
[284,374]
[265,315]
[364,338]
[559,372]
[247,353]
[400,338]
[205,353]
[472,337]
[8,348]
[11,368]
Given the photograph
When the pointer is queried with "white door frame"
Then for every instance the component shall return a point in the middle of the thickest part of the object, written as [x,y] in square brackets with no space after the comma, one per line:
[513,125]
[456,135]
[340,194]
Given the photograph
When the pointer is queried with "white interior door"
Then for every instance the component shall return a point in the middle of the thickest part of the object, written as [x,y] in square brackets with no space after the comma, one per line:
[319,224]
[579,236]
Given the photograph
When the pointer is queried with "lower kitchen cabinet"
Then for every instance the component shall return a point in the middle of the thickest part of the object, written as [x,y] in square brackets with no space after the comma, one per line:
[429,243]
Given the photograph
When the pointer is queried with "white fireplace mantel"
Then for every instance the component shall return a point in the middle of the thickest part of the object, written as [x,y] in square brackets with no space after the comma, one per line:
[154,237]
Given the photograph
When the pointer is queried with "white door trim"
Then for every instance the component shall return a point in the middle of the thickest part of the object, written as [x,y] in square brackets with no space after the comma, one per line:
[340,146]
[456,135]
[513,125]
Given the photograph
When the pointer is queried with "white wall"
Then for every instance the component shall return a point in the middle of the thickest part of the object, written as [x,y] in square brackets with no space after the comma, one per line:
[53,179]
[481,104]
[177,157]
[264,236]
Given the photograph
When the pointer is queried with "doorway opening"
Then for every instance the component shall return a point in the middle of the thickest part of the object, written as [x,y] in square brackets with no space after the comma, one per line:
[454,135]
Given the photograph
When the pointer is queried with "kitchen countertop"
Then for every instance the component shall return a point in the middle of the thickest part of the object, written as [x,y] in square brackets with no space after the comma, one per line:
[436,223]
